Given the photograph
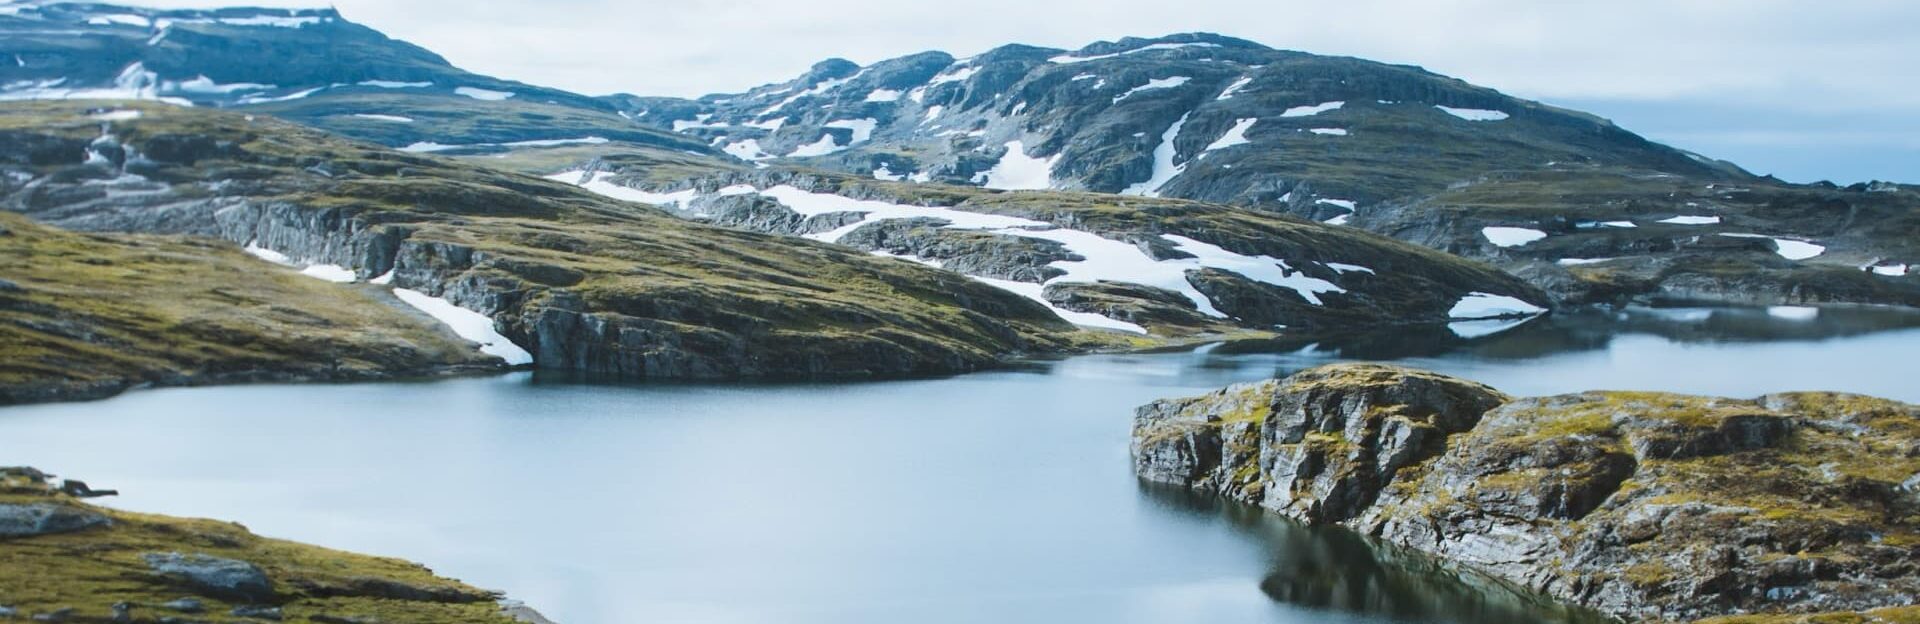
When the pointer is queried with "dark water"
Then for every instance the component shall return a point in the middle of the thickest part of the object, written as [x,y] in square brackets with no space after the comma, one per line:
[996,497]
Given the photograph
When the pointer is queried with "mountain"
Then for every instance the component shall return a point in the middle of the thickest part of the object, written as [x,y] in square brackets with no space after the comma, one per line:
[309,66]
[1574,203]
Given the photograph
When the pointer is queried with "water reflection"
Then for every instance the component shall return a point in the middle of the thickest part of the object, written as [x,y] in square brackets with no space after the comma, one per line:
[1339,570]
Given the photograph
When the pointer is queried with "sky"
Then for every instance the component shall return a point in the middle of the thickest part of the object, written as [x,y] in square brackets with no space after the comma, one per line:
[1803,89]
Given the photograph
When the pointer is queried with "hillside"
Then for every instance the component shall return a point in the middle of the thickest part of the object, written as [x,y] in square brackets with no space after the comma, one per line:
[580,282]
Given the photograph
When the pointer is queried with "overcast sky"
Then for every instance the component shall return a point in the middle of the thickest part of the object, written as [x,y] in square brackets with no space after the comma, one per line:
[1805,89]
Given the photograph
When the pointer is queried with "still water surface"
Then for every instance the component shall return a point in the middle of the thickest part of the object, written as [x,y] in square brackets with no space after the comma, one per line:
[993,497]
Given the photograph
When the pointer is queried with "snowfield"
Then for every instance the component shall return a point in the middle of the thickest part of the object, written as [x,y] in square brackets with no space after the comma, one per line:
[1309,111]
[1103,259]
[483,94]
[1511,236]
[1018,171]
[1787,248]
[1481,305]
[471,325]
[1237,135]
[1164,169]
[1473,114]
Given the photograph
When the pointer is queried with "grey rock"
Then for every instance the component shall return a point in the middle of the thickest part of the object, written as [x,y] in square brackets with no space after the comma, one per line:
[258,612]
[185,605]
[28,520]
[218,577]
[60,615]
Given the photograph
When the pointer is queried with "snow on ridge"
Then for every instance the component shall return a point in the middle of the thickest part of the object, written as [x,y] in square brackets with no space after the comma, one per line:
[1018,171]
[1156,83]
[1237,135]
[1511,236]
[1309,111]
[882,95]
[488,95]
[1070,58]
[953,74]
[1164,169]
[1473,114]
[1234,88]
[468,324]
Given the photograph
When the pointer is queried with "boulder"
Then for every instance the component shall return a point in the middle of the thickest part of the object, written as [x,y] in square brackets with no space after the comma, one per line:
[31,519]
[227,579]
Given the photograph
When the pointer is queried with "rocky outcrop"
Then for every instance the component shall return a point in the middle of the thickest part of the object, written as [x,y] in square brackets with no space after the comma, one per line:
[1164,310]
[28,520]
[229,579]
[1642,505]
[985,254]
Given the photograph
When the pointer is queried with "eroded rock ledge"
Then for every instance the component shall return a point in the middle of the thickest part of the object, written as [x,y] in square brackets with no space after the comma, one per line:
[1642,505]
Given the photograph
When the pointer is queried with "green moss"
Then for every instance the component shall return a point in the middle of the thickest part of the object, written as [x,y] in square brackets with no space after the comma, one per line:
[91,569]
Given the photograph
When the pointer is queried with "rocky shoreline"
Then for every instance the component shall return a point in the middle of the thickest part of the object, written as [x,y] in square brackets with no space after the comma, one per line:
[1645,506]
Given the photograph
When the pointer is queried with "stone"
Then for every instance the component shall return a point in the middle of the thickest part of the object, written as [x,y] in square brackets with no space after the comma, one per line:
[257,612]
[185,605]
[221,578]
[60,615]
[31,519]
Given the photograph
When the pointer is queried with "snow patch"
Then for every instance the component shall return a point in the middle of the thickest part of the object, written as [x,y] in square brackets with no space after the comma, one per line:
[882,95]
[1511,236]
[330,272]
[1164,169]
[1156,83]
[1234,88]
[483,94]
[1069,58]
[468,324]
[1480,305]
[1794,313]
[601,184]
[377,117]
[1237,135]
[862,128]
[1329,131]
[1687,220]
[1473,114]
[1787,248]
[1309,111]
[1890,270]
[1018,171]
[393,84]
[826,145]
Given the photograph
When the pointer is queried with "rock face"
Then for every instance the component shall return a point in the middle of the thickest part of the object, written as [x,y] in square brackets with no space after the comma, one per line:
[17,520]
[214,576]
[985,254]
[1642,505]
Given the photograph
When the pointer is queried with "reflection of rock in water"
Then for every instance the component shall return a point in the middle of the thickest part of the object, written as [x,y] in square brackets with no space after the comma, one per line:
[1586,329]
[1337,569]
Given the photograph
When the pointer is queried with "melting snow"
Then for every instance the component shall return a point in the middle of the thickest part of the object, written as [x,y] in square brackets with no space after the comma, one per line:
[1481,305]
[748,149]
[883,173]
[1156,83]
[1018,171]
[263,99]
[1036,292]
[430,146]
[330,272]
[392,118]
[268,255]
[1339,267]
[1235,88]
[1330,131]
[1787,248]
[599,183]
[953,75]
[1164,169]
[1511,236]
[204,84]
[883,95]
[862,128]
[1473,114]
[826,145]
[1309,111]
[471,325]
[1580,261]
[483,94]
[1477,329]
[1237,135]
[1685,220]
[125,114]
[1794,313]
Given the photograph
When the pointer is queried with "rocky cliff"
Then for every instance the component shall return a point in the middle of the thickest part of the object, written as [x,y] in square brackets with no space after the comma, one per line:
[1647,506]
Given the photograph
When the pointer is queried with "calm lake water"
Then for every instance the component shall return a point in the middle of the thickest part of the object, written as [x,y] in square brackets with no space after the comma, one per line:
[995,497]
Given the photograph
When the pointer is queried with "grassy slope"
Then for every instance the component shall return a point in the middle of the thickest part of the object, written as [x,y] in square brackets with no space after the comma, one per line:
[95,313]
[92,569]
[788,298]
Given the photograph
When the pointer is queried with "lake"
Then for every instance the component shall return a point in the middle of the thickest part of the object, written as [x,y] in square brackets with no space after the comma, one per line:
[1004,496]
